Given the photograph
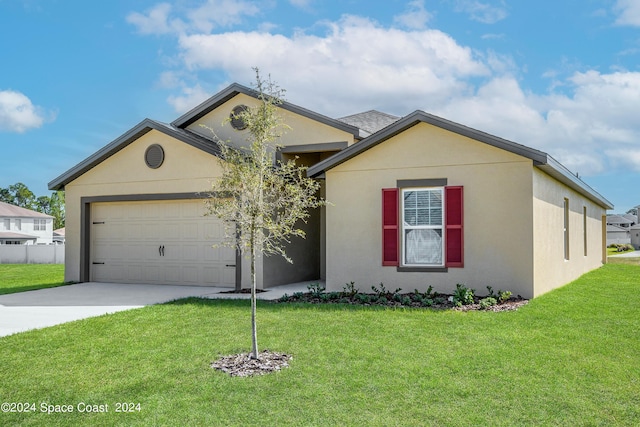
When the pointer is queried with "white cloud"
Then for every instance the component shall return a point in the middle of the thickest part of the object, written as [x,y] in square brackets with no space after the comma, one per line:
[415,17]
[211,14]
[221,13]
[188,99]
[482,12]
[628,12]
[355,56]
[586,130]
[358,64]
[155,21]
[18,114]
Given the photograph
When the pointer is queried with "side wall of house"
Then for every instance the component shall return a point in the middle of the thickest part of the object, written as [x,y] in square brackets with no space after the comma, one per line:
[584,253]
[185,170]
[498,218]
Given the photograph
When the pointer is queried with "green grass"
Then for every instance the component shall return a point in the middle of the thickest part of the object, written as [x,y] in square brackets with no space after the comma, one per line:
[623,260]
[27,277]
[568,358]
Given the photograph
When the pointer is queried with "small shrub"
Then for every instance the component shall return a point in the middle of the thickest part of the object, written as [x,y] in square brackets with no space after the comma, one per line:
[428,302]
[316,289]
[284,298]
[334,295]
[462,295]
[405,300]
[363,298]
[350,290]
[324,297]
[504,296]
[487,302]
[381,291]
[382,300]
[298,295]
[439,300]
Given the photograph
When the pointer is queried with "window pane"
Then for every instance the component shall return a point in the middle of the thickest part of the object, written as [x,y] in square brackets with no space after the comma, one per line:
[423,247]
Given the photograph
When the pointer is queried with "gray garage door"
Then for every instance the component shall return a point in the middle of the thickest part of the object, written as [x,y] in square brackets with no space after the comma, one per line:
[159,242]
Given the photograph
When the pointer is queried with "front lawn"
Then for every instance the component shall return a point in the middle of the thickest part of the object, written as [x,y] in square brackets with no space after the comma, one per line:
[569,357]
[27,277]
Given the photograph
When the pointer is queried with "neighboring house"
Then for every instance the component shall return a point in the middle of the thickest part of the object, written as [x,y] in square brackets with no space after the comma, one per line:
[618,228]
[20,226]
[415,201]
[634,231]
[58,236]
[618,235]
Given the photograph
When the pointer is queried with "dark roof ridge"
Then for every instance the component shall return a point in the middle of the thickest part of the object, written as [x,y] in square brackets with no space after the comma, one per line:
[540,159]
[146,125]
[234,89]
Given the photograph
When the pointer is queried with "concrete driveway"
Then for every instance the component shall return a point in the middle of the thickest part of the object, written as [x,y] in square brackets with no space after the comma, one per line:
[23,311]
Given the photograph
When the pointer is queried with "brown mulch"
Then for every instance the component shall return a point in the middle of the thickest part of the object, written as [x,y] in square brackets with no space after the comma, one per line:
[241,365]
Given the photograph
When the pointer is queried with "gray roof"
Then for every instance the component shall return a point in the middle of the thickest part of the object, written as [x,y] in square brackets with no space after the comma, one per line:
[540,159]
[12,211]
[632,218]
[616,229]
[370,121]
[617,219]
[127,138]
[17,236]
[231,91]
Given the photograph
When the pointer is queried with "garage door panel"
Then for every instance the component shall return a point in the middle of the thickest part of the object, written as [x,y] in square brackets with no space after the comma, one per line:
[130,239]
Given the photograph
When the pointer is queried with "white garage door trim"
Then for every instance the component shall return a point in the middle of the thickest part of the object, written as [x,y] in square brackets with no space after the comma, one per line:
[180,269]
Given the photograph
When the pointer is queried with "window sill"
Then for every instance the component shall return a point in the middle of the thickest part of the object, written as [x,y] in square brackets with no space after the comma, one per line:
[407,269]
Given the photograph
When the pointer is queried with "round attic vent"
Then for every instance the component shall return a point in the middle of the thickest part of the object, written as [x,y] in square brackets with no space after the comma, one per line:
[154,156]
[236,122]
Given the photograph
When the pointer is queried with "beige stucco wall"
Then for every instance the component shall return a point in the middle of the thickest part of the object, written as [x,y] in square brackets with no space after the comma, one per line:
[498,212]
[185,169]
[303,130]
[551,269]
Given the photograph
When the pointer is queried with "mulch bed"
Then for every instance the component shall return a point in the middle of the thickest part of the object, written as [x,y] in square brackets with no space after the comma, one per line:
[439,302]
[509,305]
[241,365]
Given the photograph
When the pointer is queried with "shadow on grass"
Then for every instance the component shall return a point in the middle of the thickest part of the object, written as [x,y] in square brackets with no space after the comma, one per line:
[6,291]
[623,260]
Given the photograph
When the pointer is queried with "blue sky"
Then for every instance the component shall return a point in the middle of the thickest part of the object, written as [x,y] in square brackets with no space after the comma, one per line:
[559,76]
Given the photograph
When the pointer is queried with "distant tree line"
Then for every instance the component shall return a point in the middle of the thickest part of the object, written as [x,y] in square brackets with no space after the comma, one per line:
[19,194]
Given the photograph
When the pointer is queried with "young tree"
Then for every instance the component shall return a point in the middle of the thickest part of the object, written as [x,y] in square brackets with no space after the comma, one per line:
[261,201]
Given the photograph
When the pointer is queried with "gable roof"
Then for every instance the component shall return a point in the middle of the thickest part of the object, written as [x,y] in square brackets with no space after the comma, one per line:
[370,121]
[616,229]
[618,219]
[13,211]
[233,90]
[145,126]
[540,159]
[17,236]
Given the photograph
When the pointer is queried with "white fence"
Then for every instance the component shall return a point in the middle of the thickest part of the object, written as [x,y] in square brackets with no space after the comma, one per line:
[31,254]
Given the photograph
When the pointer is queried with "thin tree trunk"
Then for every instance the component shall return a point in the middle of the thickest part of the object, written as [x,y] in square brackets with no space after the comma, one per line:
[254,332]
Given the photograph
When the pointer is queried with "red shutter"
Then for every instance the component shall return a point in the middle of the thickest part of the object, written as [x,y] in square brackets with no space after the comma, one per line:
[454,226]
[390,226]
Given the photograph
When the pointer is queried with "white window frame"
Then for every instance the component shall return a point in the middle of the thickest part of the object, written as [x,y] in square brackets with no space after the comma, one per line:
[405,227]
[7,224]
[39,225]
